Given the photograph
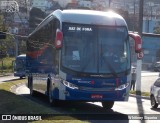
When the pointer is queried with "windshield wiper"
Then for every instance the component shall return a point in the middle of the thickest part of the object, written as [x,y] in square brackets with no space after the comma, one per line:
[110,68]
[108,64]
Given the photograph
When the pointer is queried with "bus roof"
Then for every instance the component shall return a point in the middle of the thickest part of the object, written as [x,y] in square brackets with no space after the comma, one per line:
[90,17]
[84,17]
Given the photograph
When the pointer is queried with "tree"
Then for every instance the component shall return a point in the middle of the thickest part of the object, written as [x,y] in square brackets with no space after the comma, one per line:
[131,20]
[7,46]
[6,43]
[124,14]
[36,16]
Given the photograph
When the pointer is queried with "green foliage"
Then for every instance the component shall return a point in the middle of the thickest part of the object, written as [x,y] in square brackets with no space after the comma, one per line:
[1,23]
[3,27]
[36,16]
[5,44]
[6,65]
[10,101]
[147,94]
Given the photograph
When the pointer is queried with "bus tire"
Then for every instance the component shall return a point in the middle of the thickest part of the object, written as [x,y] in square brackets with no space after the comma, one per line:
[48,86]
[52,101]
[28,81]
[108,104]
[30,84]
[154,104]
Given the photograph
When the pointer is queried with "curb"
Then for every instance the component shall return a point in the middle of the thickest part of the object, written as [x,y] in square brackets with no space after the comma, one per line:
[13,88]
[7,74]
[149,75]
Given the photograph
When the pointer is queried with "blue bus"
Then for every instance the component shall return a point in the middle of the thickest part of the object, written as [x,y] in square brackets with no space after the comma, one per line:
[81,55]
[20,66]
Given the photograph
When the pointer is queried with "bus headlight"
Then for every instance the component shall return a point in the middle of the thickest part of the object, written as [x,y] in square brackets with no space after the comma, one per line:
[69,85]
[121,87]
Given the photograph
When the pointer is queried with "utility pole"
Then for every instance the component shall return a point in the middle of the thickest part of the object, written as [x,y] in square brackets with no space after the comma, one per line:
[140,17]
[16,41]
[109,3]
[139,61]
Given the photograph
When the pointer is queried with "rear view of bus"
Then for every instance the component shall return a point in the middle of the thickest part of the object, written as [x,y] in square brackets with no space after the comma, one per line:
[87,59]
[20,66]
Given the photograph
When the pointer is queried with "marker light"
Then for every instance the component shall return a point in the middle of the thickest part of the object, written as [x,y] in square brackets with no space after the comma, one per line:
[59,38]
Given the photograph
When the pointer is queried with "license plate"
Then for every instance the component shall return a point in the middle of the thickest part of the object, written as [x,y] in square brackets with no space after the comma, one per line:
[96,96]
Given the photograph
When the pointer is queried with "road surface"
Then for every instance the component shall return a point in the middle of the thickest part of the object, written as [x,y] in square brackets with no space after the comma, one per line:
[147,79]
[7,78]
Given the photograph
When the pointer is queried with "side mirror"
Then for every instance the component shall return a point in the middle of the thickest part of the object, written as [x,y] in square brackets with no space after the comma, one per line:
[138,42]
[59,38]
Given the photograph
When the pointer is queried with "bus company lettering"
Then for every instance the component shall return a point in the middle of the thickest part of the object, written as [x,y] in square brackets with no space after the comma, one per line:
[109,84]
[88,29]
[84,81]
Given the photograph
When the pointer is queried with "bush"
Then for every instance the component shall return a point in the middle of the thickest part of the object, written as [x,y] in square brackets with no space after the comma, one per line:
[6,64]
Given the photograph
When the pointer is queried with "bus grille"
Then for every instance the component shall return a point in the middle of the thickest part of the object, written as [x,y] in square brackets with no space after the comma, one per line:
[96,89]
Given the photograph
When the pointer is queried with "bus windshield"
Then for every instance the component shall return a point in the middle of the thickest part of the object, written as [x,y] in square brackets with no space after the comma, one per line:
[95,49]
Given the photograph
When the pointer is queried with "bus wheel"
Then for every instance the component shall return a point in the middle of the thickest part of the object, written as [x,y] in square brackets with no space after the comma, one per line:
[108,104]
[30,84]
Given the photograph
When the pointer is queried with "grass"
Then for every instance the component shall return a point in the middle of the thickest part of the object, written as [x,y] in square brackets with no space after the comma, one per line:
[140,93]
[6,65]
[23,105]
[14,104]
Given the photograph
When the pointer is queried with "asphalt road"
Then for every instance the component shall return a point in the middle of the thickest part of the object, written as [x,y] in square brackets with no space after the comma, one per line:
[147,79]
[7,78]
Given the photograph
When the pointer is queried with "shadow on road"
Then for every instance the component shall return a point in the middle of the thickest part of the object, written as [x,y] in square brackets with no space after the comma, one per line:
[157,109]
[13,80]
[140,106]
